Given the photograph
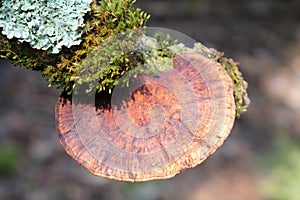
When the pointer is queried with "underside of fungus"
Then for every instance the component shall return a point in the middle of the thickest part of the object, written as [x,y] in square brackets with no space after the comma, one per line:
[170,123]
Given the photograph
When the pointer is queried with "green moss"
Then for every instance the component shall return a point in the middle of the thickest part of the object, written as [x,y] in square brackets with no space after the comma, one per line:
[239,85]
[122,54]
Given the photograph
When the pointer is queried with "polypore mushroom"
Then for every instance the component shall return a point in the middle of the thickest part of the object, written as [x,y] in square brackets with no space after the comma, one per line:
[199,111]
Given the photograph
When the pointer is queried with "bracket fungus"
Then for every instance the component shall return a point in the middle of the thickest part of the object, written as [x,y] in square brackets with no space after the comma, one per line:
[137,103]
[138,142]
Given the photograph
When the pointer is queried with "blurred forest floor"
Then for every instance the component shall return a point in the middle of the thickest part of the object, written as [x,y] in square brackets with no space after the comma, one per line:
[259,161]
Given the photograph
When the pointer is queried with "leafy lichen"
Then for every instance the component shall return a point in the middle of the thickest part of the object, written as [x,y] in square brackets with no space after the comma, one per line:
[44,24]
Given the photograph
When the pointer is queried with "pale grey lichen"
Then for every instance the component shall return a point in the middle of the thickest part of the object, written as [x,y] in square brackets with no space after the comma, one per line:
[44,24]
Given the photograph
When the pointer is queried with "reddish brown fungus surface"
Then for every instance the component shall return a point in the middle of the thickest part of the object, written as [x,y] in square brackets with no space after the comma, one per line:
[168,124]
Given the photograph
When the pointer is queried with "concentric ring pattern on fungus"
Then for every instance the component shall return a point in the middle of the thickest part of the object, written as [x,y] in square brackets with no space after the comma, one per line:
[156,127]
